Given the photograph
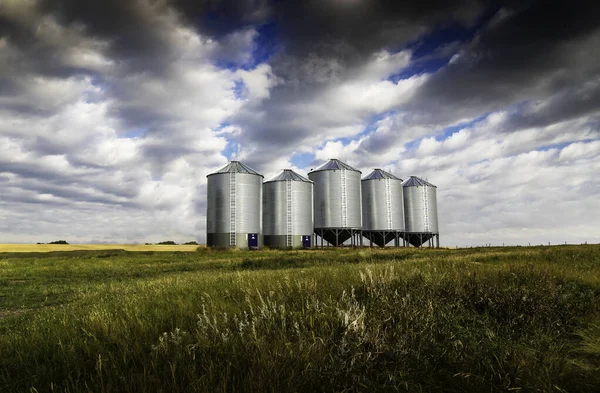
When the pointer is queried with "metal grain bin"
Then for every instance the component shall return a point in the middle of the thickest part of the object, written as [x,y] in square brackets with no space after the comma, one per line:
[382,207]
[288,211]
[234,207]
[420,210]
[337,202]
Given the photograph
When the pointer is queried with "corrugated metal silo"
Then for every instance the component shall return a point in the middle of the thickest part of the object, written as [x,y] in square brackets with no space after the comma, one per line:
[420,211]
[337,202]
[382,207]
[234,207]
[288,211]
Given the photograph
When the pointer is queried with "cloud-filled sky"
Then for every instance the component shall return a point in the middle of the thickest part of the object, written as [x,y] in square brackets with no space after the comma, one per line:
[113,112]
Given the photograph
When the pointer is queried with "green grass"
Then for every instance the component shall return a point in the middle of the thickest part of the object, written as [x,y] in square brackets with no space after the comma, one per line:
[470,320]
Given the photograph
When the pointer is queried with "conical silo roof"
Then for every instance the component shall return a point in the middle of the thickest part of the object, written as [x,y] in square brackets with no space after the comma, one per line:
[335,164]
[380,174]
[236,167]
[288,174]
[414,181]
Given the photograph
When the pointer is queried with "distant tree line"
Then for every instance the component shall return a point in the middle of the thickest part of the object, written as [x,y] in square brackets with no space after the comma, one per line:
[167,242]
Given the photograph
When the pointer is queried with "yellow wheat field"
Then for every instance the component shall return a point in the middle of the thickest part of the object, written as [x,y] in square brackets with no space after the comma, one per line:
[72,247]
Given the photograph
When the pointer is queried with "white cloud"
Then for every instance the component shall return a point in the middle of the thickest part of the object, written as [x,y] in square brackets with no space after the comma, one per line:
[530,197]
[580,151]
[258,81]
[336,150]
[363,97]
[383,64]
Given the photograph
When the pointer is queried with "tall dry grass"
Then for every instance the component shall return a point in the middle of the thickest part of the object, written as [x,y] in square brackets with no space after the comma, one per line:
[339,320]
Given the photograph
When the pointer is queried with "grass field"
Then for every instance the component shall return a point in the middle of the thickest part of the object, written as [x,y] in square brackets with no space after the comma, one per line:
[523,319]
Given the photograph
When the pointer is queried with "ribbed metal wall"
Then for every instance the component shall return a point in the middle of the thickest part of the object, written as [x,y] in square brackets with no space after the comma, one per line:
[382,204]
[420,206]
[337,200]
[287,211]
[233,206]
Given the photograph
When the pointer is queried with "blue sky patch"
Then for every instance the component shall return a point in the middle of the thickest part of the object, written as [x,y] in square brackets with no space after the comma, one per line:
[231,149]
[134,133]
[302,160]
[449,131]
[266,44]
[562,145]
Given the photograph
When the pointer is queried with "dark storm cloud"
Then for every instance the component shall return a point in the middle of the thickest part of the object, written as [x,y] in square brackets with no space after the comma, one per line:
[347,32]
[218,18]
[30,53]
[137,37]
[352,27]
[362,27]
[528,52]
[573,103]
[135,31]
[132,28]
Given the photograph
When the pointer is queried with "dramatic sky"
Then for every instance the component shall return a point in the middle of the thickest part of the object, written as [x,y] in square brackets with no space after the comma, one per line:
[113,112]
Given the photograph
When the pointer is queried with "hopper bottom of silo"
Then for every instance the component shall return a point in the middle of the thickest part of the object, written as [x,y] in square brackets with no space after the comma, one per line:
[337,236]
[417,239]
[381,238]
[225,240]
[281,241]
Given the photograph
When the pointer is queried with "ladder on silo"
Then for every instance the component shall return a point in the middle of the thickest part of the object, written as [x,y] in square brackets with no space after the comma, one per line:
[289,213]
[232,199]
[344,201]
[425,209]
[388,204]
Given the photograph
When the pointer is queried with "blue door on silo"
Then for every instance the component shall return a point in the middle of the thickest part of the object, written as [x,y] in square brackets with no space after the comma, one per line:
[306,241]
[253,240]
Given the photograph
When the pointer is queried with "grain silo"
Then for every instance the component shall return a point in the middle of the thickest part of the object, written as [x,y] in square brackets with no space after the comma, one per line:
[288,211]
[420,211]
[382,208]
[234,207]
[337,203]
